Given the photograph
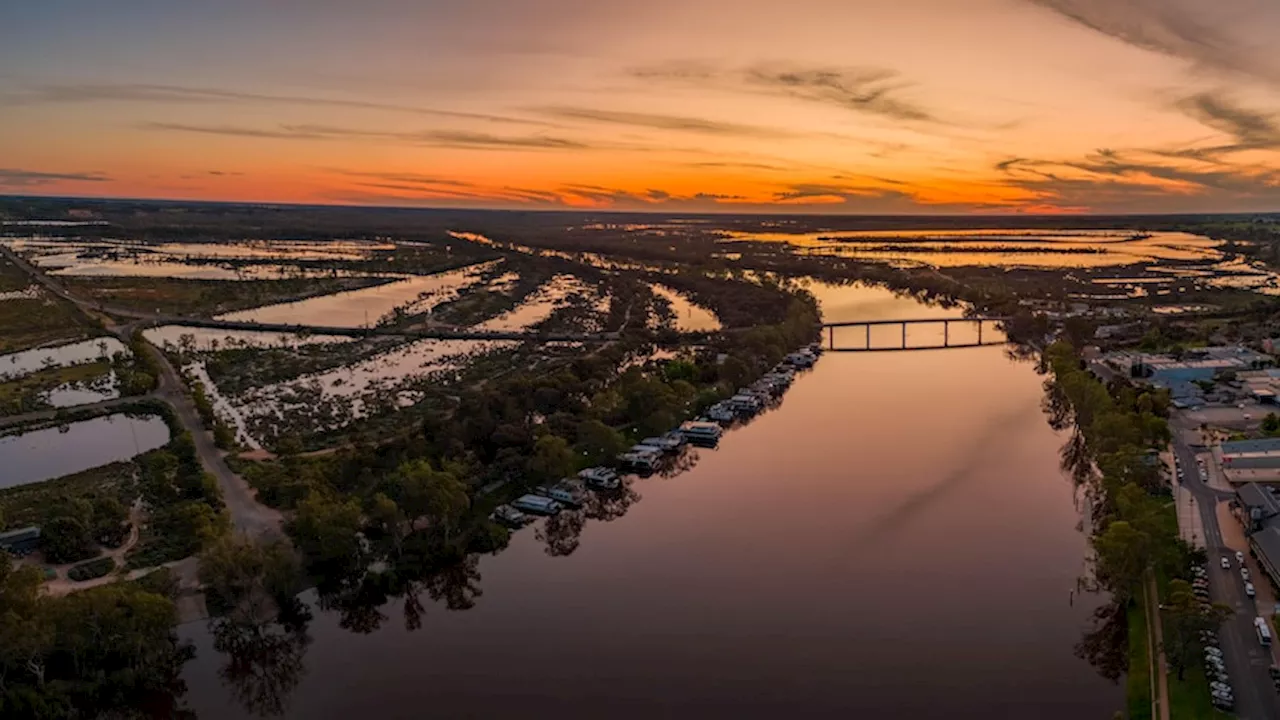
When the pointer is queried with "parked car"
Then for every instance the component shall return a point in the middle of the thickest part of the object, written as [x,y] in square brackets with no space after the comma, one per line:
[1226,563]
[1244,573]
[1213,651]
[1239,557]
[1248,589]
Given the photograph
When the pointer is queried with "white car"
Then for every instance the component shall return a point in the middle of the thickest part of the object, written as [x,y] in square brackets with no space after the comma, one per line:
[1239,557]
[1226,563]
[1214,661]
[1213,651]
[1220,686]
[1248,589]
[1244,573]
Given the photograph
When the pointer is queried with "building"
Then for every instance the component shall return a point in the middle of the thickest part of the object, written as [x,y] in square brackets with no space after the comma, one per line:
[1198,365]
[20,542]
[1263,454]
[1258,505]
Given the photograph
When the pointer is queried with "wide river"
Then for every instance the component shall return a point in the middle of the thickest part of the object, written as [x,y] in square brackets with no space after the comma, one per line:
[895,541]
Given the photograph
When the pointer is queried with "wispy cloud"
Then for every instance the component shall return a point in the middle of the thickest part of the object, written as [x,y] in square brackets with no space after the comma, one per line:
[1249,129]
[1141,180]
[173,94]
[659,122]
[1210,35]
[436,138]
[869,90]
[16,178]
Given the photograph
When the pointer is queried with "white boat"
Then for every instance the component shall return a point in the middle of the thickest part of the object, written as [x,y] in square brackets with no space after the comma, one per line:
[536,504]
[601,478]
[507,515]
[645,460]
[721,413]
[702,433]
[666,443]
[565,492]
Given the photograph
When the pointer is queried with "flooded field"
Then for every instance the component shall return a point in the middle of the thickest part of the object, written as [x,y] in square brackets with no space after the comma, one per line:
[54,452]
[689,316]
[209,339]
[190,261]
[15,365]
[1021,248]
[368,306]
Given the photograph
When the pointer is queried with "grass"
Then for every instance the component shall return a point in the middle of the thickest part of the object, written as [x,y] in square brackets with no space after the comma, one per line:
[24,394]
[26,505]
[1189,698]
[27,323]
[92,569]
[1138,682]
[171,296]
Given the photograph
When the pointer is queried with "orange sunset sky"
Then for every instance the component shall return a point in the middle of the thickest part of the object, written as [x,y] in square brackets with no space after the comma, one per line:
[886,106]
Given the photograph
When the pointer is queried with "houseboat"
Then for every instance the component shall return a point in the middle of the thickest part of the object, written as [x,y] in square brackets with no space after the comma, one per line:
[600,478]
[509,516]
[565,492]
[702,433]
[536,504]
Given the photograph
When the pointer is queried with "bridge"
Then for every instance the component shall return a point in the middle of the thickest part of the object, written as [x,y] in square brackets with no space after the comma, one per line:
[979,322]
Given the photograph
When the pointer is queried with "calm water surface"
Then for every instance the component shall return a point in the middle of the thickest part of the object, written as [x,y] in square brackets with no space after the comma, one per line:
[46,454]
[896,541]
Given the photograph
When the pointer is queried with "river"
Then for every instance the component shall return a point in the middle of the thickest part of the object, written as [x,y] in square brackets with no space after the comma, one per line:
[895,541]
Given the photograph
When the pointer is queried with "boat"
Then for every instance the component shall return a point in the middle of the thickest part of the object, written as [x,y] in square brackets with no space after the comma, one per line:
[565,492]
[702,433]
[720,412]
[600,478]
[669,442]
[536,504]
[745,404]
[642,458]
[509,516]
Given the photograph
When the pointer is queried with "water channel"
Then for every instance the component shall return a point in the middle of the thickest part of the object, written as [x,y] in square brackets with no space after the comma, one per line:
[895,541]
[57,451]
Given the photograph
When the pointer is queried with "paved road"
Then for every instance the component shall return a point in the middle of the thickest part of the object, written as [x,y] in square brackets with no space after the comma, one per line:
[247,514]
[1247,661]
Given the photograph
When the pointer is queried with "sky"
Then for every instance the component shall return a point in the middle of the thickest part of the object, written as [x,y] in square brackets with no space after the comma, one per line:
[840,106]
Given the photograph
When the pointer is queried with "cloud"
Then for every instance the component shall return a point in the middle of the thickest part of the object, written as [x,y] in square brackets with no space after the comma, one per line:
[866,90]
[1249,129]
[870,90]
[659,122]
[142,93]
[436,138]
[15,178]
[1210,35]
[1141,180]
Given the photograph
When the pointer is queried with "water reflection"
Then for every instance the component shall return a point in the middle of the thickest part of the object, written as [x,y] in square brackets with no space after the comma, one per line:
[42,454]
[810,554]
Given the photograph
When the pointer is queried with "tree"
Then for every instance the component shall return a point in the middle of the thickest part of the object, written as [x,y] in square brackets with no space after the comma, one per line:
[1123,555]
[247,580]
[326,531]
[419,490]
[66,539]
[1185,619]
[1271,424]
[598,442]
[552,459]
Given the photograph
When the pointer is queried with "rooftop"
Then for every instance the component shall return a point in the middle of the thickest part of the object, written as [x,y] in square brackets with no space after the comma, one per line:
[1253,495]
[1248,447]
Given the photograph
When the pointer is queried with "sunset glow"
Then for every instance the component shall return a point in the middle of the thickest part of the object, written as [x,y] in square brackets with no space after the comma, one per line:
[909,106]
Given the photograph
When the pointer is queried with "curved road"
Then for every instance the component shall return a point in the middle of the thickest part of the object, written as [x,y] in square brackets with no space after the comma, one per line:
[249,516]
